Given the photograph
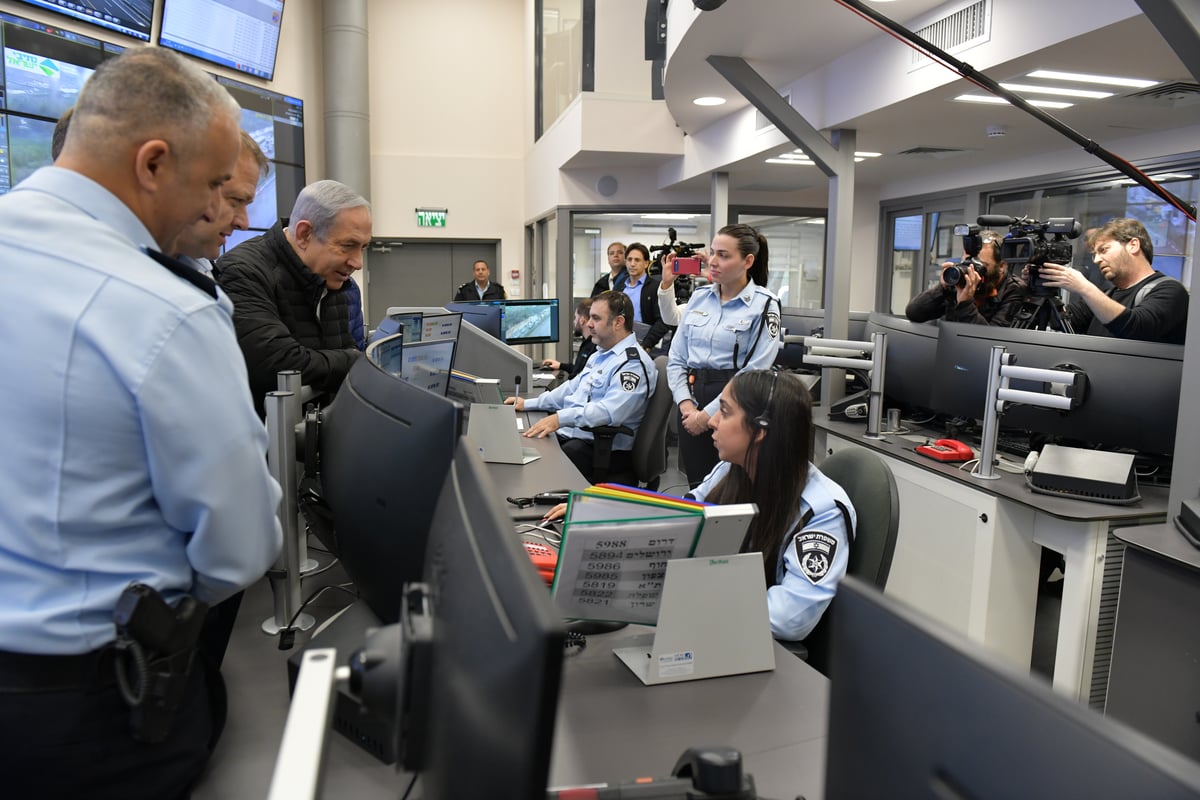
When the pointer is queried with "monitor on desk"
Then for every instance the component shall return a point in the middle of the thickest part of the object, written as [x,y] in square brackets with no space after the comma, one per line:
[528,321]
[492,688]
[483,314]
[911,355]
[385,448]
[935,716]
[1132,398]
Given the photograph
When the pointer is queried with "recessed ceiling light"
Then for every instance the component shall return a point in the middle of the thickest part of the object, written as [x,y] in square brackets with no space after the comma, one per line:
[709,101]
[1000,101]
[1030,88]
[796,162]
[1080,77]
[866,154]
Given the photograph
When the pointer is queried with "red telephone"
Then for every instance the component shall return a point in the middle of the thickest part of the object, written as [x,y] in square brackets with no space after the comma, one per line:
[947,450]
[545,559]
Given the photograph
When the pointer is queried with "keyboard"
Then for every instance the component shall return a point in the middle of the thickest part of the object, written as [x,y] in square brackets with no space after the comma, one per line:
[1013,445]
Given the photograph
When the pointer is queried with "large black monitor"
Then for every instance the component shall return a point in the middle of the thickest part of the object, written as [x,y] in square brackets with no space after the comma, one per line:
[916,711]
[811,322]
[240,34]
[1132,398]
[493,683]
[513,321]
[485,315]
[385,447]
[911,354]
[130,17]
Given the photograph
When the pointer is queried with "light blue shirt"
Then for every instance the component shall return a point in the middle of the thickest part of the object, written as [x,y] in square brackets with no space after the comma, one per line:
[712,333]
[612,389]
[132,450]
[814,555]
[634,292]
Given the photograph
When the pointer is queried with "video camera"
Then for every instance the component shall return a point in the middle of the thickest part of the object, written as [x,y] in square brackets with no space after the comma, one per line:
[1027,243]
[955,274]
[686,263]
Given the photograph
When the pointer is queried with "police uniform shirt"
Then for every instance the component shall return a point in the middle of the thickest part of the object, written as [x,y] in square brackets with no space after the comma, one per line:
[814,556]
[711,334]
[612,389]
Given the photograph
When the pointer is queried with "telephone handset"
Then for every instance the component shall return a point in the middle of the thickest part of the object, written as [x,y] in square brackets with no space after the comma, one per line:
[947,450]
[545,559]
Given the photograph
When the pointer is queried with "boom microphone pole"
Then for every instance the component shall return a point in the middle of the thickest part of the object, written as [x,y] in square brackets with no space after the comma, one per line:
[984,82]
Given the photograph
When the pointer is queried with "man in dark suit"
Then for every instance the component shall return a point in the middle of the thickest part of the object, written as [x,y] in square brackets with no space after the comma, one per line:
[481,288]
[643,293]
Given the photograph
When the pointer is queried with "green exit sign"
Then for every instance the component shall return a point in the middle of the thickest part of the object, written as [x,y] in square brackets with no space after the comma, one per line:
[431,217]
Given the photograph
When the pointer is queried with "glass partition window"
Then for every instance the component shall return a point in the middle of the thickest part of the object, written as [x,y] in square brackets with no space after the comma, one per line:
[560,58]
[593,233]
[1096,203]
[797,257]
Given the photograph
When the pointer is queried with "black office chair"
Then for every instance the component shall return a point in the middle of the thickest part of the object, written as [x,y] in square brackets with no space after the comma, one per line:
[649,455]
[871,487]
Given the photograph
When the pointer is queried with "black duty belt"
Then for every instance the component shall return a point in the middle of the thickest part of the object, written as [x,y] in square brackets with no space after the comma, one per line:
[712,375]
[30,672]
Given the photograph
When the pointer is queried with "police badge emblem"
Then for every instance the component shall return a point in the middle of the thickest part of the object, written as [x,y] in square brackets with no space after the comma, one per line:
[773,324]
[814,552]
[630,381]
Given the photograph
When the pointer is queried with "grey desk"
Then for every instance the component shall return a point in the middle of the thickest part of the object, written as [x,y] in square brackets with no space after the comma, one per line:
[612,728]
[968,552]
[550,472]
[1154,682]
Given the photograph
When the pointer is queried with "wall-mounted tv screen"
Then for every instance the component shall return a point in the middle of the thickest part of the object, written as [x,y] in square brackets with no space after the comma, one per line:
[239,34]
[276,122]
[44,68]
[130,17]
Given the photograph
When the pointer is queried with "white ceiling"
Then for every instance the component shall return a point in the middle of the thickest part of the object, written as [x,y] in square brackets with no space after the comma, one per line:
[1132,47]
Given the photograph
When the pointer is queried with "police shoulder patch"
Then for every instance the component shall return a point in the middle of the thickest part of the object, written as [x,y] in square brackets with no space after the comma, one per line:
[814,552]
[630,380]
[773,324]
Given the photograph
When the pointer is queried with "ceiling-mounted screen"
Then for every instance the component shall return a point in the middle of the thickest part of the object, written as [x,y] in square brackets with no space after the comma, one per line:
[239,34]
[130,17]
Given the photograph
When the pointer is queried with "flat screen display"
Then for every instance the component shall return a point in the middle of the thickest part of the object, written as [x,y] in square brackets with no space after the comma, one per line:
[130,17]
[240,34]
[529,321]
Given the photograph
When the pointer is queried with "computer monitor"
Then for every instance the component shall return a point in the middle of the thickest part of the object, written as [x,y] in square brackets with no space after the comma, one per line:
[1132,398]
[497,652]
[530,321]
[917,711]
[388,353]
[130,17]
[235,34]
[408,324]
[911,355]
[481,354]
[811,322]
[385,447]
[485,315]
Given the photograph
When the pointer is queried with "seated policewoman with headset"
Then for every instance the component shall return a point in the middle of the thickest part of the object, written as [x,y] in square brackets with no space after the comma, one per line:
[763,434]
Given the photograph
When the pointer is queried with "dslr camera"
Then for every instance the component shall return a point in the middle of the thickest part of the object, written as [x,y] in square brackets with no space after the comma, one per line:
[956,274]
[1030,241]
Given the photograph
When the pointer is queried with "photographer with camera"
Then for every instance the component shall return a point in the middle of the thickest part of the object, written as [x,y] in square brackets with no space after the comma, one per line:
[1143,303]
[977,290]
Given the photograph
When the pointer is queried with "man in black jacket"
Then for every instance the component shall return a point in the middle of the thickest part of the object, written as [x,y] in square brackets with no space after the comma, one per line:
[616,270]
[290,307]
[482,287]
[990,297]
[643,292]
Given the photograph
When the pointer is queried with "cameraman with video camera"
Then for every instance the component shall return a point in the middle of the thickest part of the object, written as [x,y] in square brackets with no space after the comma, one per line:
[1143,303]
[977,290]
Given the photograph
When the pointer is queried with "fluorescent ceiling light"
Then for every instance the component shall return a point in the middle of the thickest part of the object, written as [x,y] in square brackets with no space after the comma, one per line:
[1080,77]
[866,154]
[815,221]
[793,161]
[1030,88]
[709,101]
[1165,176]
[1000,101]
[669,216]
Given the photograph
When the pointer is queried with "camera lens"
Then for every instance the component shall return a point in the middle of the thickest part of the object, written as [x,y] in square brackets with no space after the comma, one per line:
[952,276]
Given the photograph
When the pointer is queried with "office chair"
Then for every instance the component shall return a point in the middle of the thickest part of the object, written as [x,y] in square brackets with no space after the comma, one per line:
[649,453]
[871,487]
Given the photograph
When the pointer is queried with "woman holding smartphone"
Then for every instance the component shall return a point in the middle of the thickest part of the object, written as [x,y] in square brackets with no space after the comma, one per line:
[729,326]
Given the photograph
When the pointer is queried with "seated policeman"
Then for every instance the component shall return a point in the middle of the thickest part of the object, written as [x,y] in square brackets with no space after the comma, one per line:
[763,435]
[288,286]
[1142,302]
[132,452]
[612,389]
[992,298]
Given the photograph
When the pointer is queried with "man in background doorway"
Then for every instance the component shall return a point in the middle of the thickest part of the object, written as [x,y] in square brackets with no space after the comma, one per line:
[616,269]
[482,287]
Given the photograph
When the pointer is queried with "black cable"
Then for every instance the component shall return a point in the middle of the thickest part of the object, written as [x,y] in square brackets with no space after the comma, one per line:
[287,635]
[411,784]
[968,72]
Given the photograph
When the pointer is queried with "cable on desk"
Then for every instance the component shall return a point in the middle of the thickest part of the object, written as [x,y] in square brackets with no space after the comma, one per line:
[287,636]
[547,535]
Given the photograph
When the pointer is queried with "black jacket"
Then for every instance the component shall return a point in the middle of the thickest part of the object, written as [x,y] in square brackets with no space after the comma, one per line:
[998,309]
[275,301]
[1161,316]
[468,292]
[603,284]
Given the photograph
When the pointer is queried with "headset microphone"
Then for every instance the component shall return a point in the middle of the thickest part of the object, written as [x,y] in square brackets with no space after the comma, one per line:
[763,420]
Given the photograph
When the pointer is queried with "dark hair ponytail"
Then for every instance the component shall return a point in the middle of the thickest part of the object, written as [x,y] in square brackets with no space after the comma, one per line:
[750,243]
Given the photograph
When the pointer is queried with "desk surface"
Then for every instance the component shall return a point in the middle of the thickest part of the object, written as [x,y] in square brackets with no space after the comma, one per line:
[1153,505]
[612,728]
[550,472]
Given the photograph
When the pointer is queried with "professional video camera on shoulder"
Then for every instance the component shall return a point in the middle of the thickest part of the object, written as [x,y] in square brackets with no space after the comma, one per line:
[1027,242]
[955,274]
[686,262]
